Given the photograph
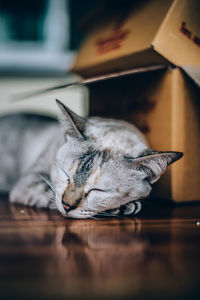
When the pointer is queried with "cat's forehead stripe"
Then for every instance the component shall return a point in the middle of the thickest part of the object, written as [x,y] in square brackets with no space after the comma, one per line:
[87,165]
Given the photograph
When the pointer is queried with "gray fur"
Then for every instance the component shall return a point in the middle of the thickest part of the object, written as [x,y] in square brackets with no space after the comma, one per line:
[84,168]
[86,165]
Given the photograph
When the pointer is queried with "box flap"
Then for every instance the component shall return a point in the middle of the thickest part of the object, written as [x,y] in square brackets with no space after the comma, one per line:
[113,75]
[178,38]
[144,59]
[193,73]
[81,81]
[129,32]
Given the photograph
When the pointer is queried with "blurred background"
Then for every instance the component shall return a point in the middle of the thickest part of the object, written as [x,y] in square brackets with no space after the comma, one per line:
[41,35]
[154,256]
[38,44]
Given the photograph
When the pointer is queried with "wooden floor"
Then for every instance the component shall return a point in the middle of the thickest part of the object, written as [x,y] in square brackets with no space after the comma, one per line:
[154,256]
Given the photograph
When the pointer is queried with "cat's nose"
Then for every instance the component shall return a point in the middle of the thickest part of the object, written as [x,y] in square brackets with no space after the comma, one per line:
[67,207]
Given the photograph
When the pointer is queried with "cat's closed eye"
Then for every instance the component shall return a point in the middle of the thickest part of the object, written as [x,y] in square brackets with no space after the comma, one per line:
[94,190]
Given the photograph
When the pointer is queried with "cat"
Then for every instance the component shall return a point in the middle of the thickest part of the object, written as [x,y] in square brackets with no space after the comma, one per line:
[83,168]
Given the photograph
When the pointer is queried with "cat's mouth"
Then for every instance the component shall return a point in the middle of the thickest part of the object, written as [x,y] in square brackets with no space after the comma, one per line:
[124,210]
[67,207]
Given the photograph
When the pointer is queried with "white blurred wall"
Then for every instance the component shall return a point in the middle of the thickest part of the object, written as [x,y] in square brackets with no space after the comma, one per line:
[76,97]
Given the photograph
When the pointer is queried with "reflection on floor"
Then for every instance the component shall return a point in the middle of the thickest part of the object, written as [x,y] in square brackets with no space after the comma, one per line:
[153,256]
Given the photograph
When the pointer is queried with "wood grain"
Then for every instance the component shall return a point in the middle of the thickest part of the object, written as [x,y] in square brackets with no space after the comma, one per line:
[154,256]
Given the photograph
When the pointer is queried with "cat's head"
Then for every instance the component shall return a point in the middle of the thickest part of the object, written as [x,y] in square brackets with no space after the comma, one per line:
[90,178]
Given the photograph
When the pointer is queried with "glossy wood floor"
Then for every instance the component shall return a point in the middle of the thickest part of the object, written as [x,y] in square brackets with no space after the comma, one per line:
[154,256]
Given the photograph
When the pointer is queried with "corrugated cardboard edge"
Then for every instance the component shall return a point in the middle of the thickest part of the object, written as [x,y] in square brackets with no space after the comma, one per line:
[193,73]
[86,81]
[113,75]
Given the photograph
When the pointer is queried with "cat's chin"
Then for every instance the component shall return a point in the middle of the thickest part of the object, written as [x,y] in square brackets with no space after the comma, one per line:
[74,214]
[131,208]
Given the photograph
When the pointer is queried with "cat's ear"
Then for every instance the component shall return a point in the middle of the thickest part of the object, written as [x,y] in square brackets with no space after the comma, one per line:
[72,123]
[154,163]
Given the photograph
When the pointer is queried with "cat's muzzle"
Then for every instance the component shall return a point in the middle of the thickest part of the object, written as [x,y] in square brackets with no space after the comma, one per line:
[67,207]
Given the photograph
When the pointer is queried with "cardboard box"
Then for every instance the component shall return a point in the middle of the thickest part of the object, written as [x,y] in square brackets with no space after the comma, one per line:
[147,33]
[148,63]
[165,106]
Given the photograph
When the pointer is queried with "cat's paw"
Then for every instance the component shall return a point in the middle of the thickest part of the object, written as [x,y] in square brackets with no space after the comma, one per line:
[31,191]
[132,208]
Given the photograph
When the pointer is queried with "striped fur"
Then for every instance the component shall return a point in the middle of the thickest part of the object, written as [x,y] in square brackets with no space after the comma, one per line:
[88,167]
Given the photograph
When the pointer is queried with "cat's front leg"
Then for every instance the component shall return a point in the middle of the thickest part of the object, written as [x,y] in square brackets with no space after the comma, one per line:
[128,209]
[132,208]
[33,189]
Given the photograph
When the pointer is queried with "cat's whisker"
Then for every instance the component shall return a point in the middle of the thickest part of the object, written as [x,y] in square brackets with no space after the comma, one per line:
[93,218]
[68,178]
[52,202]
[46,181]
[107,214]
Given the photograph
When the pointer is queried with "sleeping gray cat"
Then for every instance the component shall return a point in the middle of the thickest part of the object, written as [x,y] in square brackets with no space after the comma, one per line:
[85,167]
